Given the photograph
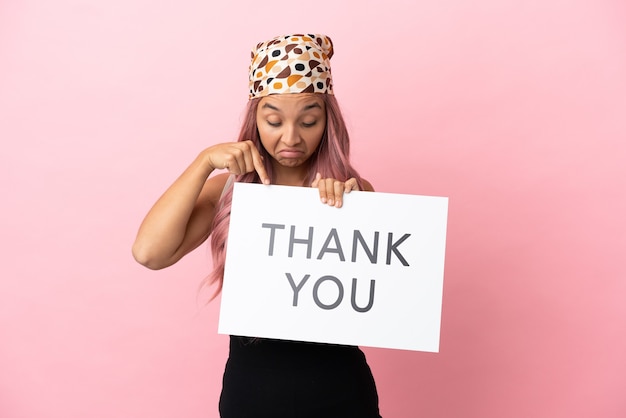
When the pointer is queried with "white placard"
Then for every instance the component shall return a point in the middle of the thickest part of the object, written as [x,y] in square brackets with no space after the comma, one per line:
[369,273]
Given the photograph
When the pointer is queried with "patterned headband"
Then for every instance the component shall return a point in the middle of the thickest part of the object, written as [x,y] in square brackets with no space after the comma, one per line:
[291,64]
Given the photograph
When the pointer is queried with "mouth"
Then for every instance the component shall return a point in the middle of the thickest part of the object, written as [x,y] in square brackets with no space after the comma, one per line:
[290,153]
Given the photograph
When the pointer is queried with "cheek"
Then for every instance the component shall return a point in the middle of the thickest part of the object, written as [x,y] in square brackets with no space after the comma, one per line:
[266,138]
[314,139]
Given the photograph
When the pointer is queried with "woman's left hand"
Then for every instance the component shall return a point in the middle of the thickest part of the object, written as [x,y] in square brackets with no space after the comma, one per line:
[332,190]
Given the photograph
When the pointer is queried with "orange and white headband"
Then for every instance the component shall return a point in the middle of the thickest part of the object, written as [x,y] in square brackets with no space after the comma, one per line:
[291,64]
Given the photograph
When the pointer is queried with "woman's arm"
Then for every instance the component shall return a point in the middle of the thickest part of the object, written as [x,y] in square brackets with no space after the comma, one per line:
[182,217]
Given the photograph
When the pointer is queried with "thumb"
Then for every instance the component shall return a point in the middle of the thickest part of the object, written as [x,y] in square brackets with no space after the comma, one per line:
[351,185]
[316,180]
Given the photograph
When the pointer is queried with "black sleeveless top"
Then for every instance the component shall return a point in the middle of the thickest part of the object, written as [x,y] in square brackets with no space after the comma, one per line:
[277,378]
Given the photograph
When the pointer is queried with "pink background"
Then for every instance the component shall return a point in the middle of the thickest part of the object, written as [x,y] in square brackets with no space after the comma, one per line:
[514,109]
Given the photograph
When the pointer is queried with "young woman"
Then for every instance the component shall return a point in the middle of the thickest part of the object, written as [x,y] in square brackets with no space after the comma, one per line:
[293,134]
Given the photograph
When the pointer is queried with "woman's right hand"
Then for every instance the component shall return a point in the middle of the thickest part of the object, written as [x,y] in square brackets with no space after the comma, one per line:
[238,158]
[182,217]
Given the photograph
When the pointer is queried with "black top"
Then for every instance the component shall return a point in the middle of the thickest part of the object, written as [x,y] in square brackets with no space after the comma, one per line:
[277,378]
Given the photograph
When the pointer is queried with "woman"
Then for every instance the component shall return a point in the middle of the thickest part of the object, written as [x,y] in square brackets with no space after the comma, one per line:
[294,135]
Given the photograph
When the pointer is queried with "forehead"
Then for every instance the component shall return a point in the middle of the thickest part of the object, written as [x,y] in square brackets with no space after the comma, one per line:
[292,102]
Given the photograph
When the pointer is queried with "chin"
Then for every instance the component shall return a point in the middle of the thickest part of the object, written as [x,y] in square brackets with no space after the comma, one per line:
[291,162]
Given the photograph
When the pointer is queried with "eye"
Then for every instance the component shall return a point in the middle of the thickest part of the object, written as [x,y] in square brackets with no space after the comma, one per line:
[309,124]
[273,124]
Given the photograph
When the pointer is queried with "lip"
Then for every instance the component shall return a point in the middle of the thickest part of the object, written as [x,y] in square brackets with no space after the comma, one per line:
[290,153]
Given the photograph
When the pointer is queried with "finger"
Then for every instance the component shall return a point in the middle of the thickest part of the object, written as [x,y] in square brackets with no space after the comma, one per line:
[218,157]
[316,180]
[350,185]
[257,163]
[231,164]
[321,185]
[330,191]
[244,160]
[338,189]
[247,158]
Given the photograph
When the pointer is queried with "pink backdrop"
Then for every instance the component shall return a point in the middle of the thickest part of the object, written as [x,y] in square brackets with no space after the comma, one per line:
[514,109]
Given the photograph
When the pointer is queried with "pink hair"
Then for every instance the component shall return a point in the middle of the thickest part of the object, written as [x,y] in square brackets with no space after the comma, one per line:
[331,160]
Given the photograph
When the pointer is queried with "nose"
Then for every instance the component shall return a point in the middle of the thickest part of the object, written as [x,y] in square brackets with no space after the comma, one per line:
[291,135]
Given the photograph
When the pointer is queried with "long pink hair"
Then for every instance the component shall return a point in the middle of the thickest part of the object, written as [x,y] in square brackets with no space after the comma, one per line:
[331,160]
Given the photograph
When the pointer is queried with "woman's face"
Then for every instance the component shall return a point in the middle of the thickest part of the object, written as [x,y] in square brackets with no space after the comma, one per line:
[291,126]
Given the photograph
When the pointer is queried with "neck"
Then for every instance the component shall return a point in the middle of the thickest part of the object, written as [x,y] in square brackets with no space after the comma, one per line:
[291,176]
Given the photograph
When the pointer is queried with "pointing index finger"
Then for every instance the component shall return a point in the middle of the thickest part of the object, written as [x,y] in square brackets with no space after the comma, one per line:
[257,160]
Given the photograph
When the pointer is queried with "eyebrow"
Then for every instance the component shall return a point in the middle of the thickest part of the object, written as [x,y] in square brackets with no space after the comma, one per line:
[307,107]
